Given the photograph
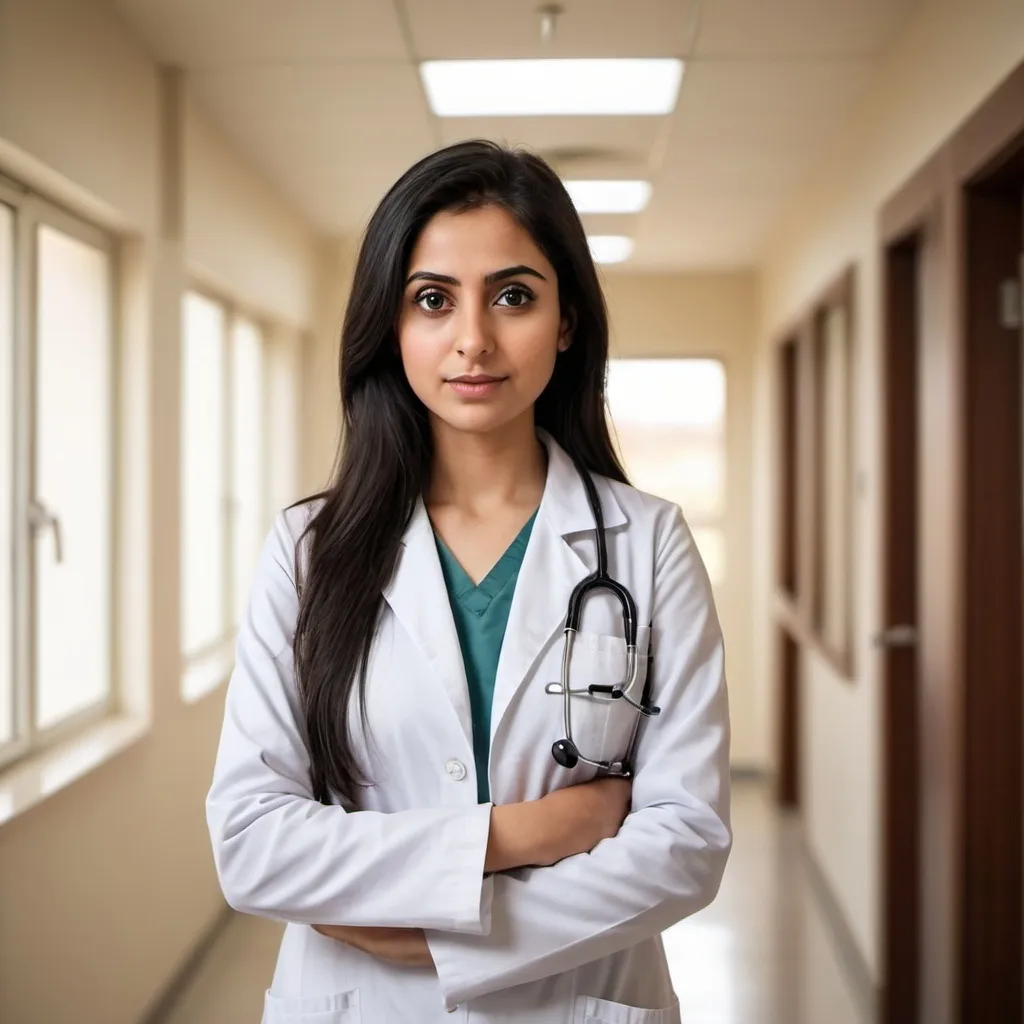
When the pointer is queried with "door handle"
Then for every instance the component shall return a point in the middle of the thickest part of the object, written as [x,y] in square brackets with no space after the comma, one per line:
[896,636]
[41,518]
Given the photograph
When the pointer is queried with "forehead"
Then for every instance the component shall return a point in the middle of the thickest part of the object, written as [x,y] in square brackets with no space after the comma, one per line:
[475,243]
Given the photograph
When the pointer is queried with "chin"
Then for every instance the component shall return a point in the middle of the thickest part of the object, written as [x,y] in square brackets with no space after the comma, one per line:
[480,419]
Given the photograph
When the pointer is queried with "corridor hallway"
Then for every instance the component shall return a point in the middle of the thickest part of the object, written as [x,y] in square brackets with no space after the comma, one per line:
[765,952]
[807,220]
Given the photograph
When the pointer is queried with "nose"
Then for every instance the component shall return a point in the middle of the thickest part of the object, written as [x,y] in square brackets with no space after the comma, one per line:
[475,337]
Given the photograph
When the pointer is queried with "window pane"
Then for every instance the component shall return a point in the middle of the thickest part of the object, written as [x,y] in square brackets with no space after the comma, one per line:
[6,471]
[247,457]
[73,476]
[203,482]
[669,418]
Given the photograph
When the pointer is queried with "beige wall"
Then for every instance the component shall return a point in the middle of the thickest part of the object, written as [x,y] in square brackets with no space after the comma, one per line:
[321,411]
[711,316]
[951,56]
[240,237]
[107,885]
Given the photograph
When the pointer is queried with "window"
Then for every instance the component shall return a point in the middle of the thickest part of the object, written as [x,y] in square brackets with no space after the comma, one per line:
[222,486]
[57,474]
[669,418]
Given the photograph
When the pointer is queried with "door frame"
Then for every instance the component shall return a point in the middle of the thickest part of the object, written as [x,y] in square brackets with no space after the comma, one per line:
[914,924]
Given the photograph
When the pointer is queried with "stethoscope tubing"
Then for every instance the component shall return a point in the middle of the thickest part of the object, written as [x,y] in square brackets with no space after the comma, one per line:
[565,751]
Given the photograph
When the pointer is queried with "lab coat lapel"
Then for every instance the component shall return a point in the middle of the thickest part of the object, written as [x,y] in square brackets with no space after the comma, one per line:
[419,599]
[550,570]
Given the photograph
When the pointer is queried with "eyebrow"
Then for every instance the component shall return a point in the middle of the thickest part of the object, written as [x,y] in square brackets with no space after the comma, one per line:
[493,278]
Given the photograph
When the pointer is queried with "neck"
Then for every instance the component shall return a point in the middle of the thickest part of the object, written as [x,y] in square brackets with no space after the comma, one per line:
[478,473]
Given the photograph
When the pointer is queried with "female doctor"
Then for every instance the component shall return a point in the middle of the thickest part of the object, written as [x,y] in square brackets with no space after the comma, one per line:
[402,775]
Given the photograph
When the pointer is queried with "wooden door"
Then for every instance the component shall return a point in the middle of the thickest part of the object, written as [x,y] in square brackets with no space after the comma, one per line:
[898,640]
[992,900]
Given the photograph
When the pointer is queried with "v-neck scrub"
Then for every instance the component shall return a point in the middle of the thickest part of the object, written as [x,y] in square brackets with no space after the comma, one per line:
[481,615]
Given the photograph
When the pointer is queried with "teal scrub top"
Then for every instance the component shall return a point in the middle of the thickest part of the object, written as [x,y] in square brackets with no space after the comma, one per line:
[481,615]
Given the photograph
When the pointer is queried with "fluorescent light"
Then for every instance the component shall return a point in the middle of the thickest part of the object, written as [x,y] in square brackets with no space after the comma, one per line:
[610,248]
[609,196]
[527,88]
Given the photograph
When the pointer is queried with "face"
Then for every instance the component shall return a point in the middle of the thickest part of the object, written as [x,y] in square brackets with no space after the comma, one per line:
[480,326]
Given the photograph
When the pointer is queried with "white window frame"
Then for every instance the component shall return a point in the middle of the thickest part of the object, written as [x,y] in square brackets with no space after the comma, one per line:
[218,656]
[32,212]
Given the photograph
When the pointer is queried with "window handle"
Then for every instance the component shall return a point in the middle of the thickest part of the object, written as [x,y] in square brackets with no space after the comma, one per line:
[41,518]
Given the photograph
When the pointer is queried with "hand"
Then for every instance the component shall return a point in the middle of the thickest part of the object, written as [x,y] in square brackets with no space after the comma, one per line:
[406,947]
[577,818]
[538,833]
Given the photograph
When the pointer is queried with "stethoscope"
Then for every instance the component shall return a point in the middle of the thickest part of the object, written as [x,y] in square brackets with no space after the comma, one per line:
[565,751]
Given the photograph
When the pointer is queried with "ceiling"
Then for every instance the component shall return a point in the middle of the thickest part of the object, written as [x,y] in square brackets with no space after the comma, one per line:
[324,97]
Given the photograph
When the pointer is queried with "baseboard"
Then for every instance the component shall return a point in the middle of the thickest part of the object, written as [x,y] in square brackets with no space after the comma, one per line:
[851,959]
[185,974]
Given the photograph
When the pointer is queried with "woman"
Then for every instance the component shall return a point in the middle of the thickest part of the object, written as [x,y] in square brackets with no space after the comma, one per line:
[385,780]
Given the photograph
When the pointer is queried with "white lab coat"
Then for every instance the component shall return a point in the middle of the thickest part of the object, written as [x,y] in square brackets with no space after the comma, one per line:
[575,943]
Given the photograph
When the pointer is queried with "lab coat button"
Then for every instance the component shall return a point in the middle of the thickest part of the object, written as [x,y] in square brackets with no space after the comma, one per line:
[456,770]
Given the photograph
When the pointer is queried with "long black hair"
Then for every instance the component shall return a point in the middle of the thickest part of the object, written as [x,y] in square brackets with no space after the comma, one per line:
[384,458]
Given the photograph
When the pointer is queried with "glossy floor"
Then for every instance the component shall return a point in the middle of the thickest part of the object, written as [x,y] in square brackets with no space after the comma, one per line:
[762,953]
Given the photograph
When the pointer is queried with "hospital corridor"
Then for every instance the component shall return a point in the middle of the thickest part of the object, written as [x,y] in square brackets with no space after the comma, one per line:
[241,248]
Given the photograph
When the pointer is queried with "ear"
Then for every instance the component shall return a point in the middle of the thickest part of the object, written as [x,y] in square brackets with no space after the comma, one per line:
[566,331]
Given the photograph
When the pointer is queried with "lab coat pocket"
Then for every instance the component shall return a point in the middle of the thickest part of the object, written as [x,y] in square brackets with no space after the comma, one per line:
[342,1008]
[590,1010]
[603,728]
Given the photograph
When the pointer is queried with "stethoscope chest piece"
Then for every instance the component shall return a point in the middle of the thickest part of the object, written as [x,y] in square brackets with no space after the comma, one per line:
[565,753]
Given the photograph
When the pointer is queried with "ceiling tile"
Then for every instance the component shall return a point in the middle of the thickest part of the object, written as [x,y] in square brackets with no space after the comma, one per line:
[567,142]
[704,232]
[214,33]
[459,29]
[799,28]
[329,137]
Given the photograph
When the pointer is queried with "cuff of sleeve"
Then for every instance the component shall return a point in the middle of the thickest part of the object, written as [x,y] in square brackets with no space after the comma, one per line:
[470,893]
[448,952]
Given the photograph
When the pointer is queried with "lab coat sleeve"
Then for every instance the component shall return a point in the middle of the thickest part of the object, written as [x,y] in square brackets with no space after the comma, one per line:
[281,854]
[667,860]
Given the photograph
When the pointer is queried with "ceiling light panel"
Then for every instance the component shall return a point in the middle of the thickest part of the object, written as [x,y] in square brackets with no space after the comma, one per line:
[610,248]
[532,88]
[609,196]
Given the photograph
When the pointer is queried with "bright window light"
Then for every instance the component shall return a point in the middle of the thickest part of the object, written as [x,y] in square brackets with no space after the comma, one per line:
[530,88]
[609,196]
[668,392]
[669,423]
[610,248]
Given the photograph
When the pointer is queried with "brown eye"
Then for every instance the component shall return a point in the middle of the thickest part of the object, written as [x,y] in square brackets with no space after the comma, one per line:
[515,297]
[431,301]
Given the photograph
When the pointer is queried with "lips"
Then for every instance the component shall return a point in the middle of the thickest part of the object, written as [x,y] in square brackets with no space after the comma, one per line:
[475,385]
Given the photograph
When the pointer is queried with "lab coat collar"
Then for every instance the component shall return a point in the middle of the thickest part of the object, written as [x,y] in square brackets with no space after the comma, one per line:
[565,500]
[551,568]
